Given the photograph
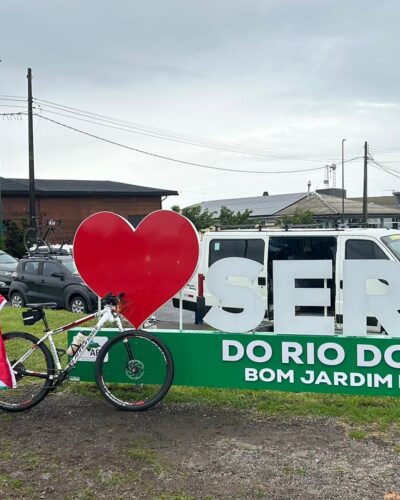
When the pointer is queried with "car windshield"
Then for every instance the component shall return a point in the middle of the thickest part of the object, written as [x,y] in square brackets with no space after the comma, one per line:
[6,259]
[393,242]
[70,265]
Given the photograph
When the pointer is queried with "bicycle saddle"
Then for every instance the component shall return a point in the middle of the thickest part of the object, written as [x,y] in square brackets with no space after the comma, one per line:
[42,305]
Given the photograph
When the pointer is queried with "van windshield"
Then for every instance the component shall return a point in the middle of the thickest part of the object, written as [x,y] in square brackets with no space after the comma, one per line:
[393,243]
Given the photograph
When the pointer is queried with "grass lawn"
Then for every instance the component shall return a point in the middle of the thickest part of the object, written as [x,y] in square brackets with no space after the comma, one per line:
[377,412]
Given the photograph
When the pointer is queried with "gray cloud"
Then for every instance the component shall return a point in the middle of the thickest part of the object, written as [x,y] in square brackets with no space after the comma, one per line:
[286,75]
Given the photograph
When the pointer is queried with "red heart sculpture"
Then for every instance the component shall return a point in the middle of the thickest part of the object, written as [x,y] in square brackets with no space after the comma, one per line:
[150,264]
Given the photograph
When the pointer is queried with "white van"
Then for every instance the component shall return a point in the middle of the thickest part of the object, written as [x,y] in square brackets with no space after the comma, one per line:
[265,246]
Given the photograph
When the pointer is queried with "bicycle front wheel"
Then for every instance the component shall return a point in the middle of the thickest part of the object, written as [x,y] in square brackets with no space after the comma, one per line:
[33,368]
[53,237]
[31,239]
[134,370]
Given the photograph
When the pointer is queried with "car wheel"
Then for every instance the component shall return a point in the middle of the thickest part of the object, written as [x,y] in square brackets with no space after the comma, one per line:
[17,300]
[78,305]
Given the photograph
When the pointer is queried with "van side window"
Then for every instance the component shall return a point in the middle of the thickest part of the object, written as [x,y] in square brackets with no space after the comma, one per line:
[363,249]
[246,248]
[303,248]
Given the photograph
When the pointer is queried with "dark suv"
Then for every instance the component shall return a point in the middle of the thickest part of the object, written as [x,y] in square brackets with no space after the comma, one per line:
[7,266]
[51,279]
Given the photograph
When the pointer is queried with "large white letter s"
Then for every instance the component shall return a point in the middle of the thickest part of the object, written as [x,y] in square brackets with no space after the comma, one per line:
[234,295]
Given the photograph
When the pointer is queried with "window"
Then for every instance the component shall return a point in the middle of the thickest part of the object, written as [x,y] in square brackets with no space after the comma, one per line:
[363,249]
[49,268]
[135,219]
[393,242]
[6,259]
[246,248]
[69,263]
[302,248]
[31,267]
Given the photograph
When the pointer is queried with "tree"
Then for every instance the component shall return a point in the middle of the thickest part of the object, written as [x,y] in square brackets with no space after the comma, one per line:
[229,218]
[14,238]
[200,219]
[299,217]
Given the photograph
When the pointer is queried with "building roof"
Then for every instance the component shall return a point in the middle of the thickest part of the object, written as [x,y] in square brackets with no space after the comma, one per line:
[66,187]
[259,205]
[389,201]
[324,205]
[286,204]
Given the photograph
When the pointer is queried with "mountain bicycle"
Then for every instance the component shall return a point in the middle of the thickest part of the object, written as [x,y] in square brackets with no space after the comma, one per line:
[47,235]
[133,370]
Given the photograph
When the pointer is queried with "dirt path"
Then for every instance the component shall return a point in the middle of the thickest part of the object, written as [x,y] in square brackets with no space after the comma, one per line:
[80,447]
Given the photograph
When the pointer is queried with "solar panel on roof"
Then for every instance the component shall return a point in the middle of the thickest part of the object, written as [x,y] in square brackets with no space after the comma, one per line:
[259,205]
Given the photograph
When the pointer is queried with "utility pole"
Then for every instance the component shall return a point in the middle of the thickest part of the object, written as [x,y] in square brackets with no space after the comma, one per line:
[343,180]
[365,191]
[32,201]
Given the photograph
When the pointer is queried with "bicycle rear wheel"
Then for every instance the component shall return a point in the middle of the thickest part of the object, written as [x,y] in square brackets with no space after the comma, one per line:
[34,375]
[32,239]
[54,237]
[134,370]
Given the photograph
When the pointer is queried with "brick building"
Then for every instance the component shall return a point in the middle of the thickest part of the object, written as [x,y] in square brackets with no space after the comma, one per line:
[71,201]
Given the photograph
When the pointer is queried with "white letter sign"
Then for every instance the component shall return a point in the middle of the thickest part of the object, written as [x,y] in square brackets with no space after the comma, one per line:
[235,295]
[357,304]
[287,297]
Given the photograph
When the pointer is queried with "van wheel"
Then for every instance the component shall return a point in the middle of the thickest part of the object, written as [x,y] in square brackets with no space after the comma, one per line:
[78,305]
[17,300]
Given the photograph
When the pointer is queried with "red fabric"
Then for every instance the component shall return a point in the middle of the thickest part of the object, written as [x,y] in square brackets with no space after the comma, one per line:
[6,377]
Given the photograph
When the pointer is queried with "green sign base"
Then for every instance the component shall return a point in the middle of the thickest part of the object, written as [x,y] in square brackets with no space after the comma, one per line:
[298,363]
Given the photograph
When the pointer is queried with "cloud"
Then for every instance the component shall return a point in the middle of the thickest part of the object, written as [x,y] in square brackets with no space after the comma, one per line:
[289,76]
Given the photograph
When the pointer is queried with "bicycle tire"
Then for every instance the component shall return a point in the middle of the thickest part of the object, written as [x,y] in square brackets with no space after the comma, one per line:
[134,370]
[54,236]
[31,389]
[32,239]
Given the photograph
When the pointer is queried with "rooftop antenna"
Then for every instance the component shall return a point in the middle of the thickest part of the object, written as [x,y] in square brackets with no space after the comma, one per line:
[330,172]
[326,180]
[333,171]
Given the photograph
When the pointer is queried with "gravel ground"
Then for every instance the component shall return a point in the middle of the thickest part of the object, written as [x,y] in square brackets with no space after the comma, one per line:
[73,446]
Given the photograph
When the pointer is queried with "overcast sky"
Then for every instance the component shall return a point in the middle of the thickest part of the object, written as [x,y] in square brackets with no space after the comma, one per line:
[288,78]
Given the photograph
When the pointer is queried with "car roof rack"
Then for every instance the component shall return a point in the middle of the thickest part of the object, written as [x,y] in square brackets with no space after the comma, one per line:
[50,252]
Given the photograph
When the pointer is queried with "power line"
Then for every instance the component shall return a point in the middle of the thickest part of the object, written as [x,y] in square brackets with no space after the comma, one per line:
[17,115]
[391,161]
[11,106]
[13,96]
[168,135]
[384,166]
[268,156]
[384,169]
[177,160]
[12,99]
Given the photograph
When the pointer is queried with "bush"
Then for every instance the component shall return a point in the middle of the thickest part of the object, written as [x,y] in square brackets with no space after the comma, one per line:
[14,238]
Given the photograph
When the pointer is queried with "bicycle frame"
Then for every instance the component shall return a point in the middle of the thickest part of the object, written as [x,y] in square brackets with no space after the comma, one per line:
[105,315]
